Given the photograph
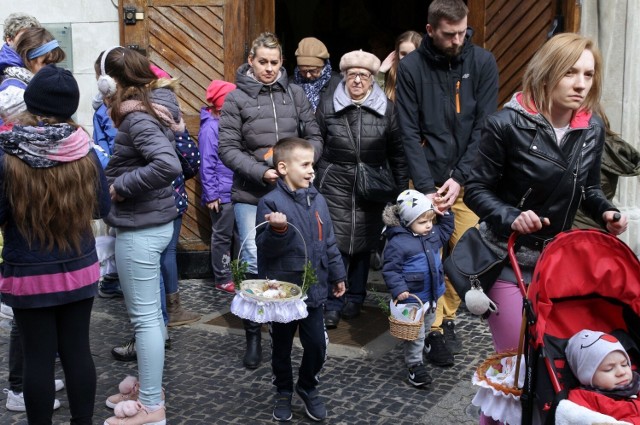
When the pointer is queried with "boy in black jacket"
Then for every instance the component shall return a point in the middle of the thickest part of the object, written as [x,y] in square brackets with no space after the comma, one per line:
[282,255]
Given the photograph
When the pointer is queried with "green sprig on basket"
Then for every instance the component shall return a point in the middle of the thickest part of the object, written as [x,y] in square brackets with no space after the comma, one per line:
[238,271]
[382,302]
[309,277]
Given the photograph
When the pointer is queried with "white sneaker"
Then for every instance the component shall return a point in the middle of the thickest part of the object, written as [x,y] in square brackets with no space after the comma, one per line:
[59,384]
[6,312]
[15,401]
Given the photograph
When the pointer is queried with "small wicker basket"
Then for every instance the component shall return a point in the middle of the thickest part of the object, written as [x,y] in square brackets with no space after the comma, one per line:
[408,331]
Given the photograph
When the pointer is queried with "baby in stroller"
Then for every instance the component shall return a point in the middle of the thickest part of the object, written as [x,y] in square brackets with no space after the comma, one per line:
[608,385]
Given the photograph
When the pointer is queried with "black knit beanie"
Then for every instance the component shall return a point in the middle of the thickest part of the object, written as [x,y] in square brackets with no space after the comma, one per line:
[52,92]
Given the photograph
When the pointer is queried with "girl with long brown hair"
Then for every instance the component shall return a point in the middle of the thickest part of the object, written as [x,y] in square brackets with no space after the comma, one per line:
[52,186]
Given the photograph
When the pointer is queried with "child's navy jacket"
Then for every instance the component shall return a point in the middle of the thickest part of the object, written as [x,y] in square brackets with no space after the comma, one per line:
[282,255]
[412,262]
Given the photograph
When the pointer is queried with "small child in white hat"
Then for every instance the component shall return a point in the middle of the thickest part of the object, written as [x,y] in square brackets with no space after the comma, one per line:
[412,265]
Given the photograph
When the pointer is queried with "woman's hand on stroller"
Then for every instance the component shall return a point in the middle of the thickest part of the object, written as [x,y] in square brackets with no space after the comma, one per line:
[529,222]
[616,222]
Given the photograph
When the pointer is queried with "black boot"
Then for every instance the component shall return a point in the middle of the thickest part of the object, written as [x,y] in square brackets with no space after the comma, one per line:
[253,355]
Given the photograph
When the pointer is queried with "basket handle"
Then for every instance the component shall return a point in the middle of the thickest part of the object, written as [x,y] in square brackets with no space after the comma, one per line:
[304,244]
[395,302]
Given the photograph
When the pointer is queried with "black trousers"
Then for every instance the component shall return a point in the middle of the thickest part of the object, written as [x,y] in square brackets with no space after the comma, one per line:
[314,344]
[45,331]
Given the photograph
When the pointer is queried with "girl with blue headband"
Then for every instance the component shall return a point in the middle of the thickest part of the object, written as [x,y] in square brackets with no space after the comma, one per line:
[33,49]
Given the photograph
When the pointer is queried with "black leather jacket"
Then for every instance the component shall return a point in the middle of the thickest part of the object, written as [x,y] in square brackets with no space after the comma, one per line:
[520,165]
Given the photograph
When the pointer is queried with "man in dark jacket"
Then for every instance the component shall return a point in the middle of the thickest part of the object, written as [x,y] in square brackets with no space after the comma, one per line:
[444,91]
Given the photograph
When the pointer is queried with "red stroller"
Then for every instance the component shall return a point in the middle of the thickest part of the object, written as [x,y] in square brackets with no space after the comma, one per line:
[583,279]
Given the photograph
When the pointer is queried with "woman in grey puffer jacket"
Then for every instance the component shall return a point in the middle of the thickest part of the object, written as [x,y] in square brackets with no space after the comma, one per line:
[140,172]
[262,110]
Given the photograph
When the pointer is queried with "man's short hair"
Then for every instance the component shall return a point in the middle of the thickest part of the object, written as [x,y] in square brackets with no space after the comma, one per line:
[16,22]
[283,149]
[450,10]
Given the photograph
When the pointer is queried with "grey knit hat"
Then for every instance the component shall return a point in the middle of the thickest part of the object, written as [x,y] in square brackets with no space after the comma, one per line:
[411,205]
[586,350]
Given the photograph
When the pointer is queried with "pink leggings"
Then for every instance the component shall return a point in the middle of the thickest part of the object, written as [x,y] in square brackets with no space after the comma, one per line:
[505,324]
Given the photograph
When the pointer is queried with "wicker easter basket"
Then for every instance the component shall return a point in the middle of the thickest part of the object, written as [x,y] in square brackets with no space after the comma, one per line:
[268,300]
[403,329]
[499,391]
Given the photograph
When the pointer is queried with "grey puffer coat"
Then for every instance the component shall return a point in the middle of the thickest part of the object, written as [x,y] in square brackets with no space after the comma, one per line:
[143,165]
[374,127]
[254,117]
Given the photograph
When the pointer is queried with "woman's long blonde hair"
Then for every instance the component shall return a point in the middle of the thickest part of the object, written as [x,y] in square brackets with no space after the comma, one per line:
[550,64]
[54,206]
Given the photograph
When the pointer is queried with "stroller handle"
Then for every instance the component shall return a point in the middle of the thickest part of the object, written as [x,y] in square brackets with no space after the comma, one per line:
[511,243]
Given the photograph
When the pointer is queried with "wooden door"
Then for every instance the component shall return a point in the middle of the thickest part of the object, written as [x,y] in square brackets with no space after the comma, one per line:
[514,30]
[196,41]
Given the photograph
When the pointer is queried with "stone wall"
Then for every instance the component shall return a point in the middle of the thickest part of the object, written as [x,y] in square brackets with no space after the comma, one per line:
[615,25]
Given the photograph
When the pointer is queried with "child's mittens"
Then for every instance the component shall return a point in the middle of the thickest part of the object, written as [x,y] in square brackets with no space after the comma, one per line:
[127,408]
[478,302]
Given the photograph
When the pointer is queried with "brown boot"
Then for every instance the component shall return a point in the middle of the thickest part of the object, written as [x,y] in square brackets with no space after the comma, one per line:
[177,315]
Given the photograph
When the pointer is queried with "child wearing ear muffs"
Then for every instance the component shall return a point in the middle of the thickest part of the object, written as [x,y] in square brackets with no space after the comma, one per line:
[139,173]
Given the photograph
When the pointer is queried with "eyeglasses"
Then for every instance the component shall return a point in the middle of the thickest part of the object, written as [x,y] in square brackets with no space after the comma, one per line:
[311,72]
[361,75]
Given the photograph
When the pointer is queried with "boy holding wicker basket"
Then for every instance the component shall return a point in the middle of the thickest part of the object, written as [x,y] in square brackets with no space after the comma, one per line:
[412,265]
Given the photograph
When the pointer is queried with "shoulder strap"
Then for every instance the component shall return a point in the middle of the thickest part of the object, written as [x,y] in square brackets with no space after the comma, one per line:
[293,102]
[355,146]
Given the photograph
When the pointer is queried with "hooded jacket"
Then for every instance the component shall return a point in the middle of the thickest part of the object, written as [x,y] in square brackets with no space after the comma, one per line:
[14,79]
[375,129]
[442,103]
[143,165]
[33,277]
[253,118]
[519,166]
[412,262]
[215,177]
[282,255]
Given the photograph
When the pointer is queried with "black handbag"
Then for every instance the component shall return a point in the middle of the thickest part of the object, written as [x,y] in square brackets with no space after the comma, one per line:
[472,263]
[373,184]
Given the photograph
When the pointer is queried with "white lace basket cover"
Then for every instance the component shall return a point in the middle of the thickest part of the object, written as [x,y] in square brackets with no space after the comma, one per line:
[497,395]
[253,303]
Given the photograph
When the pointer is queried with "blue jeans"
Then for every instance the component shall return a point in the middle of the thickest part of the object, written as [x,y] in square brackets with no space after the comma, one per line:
[246,223]
[169,268]
[138,254]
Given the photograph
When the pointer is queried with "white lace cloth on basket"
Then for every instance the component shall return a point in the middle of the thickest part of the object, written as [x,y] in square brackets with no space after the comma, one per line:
[280,311]
[499,405]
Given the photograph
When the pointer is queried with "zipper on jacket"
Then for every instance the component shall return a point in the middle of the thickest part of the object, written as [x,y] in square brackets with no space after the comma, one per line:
[573,191]
[275,115]
[458,96]
[353,189]
[324,175]
[320,223]
[524,197]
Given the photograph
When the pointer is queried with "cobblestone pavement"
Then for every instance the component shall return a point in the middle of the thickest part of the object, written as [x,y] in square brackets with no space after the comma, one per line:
[206,383]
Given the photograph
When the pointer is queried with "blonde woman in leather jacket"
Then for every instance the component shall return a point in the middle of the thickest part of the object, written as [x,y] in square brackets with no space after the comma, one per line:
[523,154]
